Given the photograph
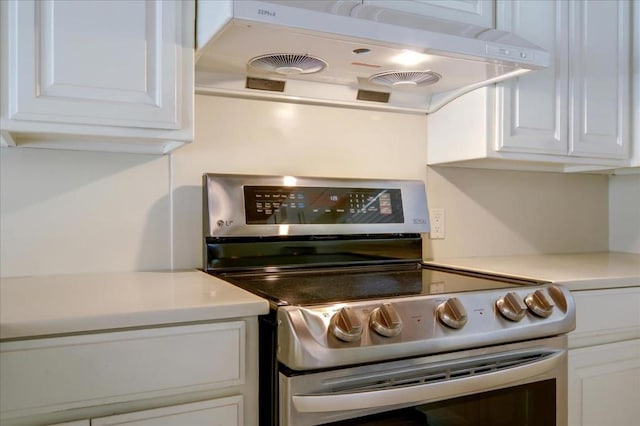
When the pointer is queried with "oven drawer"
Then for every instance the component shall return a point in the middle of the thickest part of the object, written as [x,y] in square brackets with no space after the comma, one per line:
[54,374]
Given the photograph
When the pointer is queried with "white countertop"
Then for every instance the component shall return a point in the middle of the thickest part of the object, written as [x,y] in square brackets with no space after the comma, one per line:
[46,305]
[579,271]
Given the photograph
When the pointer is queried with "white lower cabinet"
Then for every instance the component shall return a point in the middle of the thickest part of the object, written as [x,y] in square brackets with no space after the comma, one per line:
[604,384]
[180,375]
[604,358]
[216,412]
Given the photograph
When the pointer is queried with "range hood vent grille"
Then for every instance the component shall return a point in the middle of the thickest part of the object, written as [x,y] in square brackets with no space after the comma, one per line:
[265,84]
[370,95]
[415,78]
[288,63]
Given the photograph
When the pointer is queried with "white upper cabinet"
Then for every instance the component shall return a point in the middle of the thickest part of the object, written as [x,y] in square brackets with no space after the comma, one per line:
[476,12]
[572,116]
[635,128]
[600,79]
[580,104]
[111,75]
[533,109]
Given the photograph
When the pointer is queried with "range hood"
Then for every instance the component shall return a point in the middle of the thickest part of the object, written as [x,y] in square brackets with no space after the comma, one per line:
[346,52]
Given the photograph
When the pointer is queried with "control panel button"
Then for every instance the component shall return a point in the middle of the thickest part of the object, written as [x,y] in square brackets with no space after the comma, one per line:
[511,306]
[345,325]
[452,313]
[385,320]
[539,304]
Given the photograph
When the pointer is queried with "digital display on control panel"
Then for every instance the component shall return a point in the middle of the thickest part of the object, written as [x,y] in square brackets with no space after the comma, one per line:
[318,205]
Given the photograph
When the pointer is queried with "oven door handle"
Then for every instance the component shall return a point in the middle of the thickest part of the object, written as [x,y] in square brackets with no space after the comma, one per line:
[321,403]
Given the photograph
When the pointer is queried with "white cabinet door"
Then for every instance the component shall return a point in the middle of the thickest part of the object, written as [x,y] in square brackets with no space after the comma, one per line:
[532,109]
[216,412]
[108,62]
[600,78]
[604,384]
[108,69]
[635,119]
[573,116]
[580,105]
[477,12]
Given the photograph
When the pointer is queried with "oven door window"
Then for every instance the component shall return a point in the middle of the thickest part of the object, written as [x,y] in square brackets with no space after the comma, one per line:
[533,404]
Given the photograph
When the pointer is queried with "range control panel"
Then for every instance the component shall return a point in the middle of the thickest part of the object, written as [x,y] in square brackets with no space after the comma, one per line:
[275,206]
[321,205]
[346,333]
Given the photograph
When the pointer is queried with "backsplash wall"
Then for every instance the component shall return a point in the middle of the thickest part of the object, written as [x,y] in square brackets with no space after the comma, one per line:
[495,212]
[72,212]
[624,213]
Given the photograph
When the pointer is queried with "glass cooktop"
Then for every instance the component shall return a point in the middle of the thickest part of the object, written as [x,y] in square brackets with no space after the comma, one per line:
[320,286]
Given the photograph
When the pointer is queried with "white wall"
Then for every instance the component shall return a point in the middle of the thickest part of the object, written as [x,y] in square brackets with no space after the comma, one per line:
[624,213]
[69,212]
[493,213]
[72,212]
[260,137]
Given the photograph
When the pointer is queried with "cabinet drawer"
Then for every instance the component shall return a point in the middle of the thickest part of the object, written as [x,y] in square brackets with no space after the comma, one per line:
[45,375]
[215,412]
[606,316]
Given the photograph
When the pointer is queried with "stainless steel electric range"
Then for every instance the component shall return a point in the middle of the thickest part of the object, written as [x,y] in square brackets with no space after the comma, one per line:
[360,331]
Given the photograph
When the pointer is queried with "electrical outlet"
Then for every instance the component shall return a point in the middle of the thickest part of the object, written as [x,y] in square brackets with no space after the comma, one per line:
[437,224]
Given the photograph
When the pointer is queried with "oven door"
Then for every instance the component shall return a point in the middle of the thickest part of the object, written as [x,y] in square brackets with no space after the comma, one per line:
[513,384]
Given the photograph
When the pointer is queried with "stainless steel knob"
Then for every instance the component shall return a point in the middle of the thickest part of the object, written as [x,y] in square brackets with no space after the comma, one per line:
[539,303]
[345,325]
[511,306]
[452,313]
[558,297]
[385,320]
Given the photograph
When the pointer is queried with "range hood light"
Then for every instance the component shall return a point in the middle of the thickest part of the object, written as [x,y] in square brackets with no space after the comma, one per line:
[410,58]
[404,83]
[289,70]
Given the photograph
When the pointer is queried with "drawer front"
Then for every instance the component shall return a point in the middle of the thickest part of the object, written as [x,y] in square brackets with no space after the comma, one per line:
[44,375]
[215,412]
[606,316]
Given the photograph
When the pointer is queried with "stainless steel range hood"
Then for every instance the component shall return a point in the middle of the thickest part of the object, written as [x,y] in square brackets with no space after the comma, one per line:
[343,52]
